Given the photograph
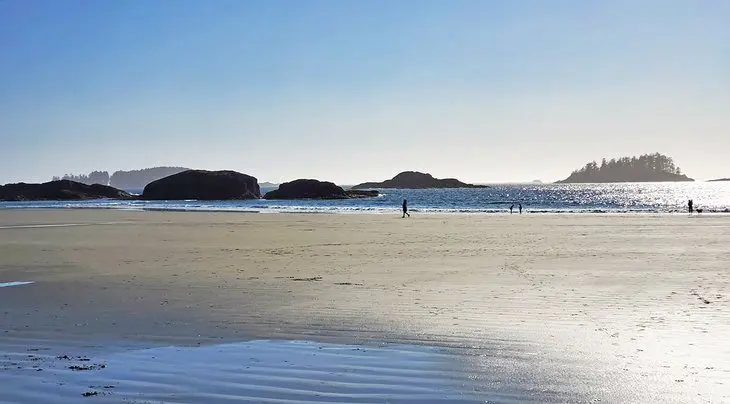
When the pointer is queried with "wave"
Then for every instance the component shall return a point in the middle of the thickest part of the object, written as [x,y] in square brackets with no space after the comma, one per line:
[345,209]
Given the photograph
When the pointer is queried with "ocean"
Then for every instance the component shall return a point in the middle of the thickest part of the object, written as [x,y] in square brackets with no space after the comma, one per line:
[535,199]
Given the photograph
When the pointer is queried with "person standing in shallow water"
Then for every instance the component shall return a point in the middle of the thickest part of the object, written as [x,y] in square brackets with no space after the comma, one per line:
[690,206]
[511,208]
[405,209]
[520,207]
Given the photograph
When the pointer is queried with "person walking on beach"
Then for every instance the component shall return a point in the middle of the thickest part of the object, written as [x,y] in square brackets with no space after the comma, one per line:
[690,206]
[405,209]
[520,207]
[511,208]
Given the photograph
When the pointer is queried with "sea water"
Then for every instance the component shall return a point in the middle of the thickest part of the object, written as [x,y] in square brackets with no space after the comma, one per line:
[253,371]
[535,198]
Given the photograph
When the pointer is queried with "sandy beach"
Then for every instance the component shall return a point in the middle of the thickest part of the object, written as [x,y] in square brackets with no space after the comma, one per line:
[510,308]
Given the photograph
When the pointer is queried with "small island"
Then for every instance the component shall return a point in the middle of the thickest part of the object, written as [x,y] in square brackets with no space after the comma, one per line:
[416,180]
[314,189]
[646,168]
[720,180]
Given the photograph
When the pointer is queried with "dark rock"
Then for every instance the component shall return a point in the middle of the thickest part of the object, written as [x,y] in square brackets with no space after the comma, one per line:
[355,193]
[314,189]
[203,185]
[62,190]
[416,180]
[307,189]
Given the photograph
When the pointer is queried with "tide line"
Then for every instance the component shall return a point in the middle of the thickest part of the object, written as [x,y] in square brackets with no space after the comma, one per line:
[41,226]
[8,284]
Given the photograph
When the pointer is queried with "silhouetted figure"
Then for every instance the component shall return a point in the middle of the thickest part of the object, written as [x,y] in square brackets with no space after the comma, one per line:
[511,208]
[405,208]
[519,206]
[690,206]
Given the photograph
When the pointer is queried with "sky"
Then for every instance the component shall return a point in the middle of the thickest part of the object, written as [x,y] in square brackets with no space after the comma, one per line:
[353,91]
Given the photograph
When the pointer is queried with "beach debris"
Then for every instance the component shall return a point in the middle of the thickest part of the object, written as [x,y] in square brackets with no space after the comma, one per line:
[79,368]
[109,386]
[312,279]
[699,297]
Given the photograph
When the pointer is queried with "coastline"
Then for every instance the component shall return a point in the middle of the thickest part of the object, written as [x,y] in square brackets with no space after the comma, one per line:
[305,210]
[638,198]
[519,301]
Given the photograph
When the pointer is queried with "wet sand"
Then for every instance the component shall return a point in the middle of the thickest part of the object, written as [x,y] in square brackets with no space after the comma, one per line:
[538,308]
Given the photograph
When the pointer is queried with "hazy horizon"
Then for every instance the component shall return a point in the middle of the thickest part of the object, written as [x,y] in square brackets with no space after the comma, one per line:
[358,91]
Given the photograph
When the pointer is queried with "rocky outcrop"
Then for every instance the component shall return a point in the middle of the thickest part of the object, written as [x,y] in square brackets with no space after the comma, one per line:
[358,193]
[203,185]
[62,190]
[314,189]
[416,180]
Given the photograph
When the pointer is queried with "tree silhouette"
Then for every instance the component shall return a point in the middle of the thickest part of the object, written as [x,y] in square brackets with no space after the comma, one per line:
[645,168]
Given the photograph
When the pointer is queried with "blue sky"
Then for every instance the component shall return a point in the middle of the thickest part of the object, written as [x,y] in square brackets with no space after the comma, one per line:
[348,91]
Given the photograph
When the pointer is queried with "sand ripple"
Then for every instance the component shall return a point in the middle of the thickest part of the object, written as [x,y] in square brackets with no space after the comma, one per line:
[256,371]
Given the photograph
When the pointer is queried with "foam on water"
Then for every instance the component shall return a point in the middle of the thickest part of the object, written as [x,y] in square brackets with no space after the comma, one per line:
[8,284]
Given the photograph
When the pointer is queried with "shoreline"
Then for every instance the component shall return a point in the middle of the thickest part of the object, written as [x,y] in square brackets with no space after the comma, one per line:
[380,212]
[645,198]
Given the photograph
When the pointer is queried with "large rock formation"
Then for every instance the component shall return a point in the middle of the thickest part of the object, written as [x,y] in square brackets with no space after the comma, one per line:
[203,185]
[62,190]
[314,189]
[416,180]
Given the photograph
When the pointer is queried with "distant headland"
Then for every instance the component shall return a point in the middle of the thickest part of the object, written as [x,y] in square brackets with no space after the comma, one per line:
[200,185]
[134,179]
[416,180]
[646,168]
[720,180]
